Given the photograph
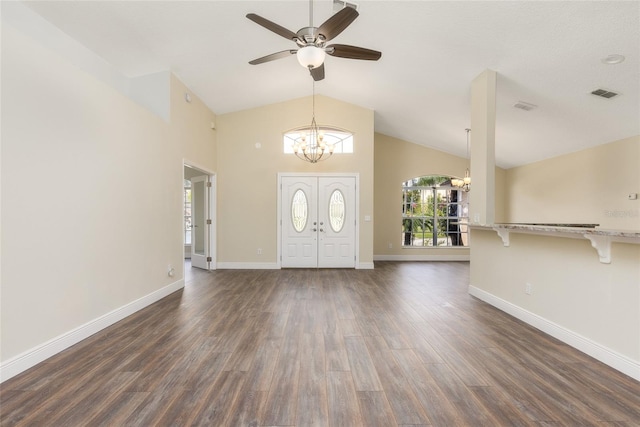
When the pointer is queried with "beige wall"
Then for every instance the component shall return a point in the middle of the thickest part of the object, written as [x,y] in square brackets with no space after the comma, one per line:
[501,196]
[97,220]
[482,200]
[191,127]
[589,186]
[397,161]
[247,175]
[590,305]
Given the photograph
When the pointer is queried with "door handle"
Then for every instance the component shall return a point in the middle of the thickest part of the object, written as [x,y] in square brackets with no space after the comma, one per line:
[314,229]
[321,229]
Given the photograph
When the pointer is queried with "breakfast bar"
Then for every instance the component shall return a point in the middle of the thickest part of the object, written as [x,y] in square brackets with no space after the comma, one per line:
[600,239]
[577,282]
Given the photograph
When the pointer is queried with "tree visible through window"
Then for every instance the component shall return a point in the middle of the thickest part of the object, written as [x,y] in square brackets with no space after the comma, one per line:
[434,213]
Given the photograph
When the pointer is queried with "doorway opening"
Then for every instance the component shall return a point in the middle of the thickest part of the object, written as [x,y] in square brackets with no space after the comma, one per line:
[199,217]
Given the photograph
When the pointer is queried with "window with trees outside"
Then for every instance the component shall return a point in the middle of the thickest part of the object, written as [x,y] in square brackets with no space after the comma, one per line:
[434,214]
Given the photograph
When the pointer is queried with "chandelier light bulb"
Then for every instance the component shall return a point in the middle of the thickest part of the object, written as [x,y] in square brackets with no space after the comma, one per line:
[464,183]
[467,177]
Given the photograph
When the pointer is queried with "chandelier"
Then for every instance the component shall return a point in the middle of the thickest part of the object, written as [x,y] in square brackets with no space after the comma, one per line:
[311,146]
[464,183]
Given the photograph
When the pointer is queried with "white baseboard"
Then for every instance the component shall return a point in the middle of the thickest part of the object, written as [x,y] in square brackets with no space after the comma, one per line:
[270,266]
[364,266]
[592,348]
[247,266]
[32,357]
[418,257]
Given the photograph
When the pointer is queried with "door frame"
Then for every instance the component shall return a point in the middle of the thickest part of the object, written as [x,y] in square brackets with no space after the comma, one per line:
[318,175]
[212,210]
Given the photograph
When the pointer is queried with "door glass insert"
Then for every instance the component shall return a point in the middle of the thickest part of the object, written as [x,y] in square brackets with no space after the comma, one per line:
[299,210]
[336,211]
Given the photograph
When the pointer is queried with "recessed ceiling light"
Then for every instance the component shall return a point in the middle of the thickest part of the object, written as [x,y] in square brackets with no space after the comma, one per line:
[612,59]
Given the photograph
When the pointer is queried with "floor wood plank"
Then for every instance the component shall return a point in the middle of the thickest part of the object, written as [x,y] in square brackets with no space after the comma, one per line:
[365,377]
[342,400]
[403,401]
[403,344]
[312,407]
[375,409]
[436,405]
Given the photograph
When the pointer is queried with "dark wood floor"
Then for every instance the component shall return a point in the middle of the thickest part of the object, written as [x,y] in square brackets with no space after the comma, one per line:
[403,344]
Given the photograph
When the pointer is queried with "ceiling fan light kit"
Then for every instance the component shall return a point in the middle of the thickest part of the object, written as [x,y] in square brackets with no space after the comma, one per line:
[310,57]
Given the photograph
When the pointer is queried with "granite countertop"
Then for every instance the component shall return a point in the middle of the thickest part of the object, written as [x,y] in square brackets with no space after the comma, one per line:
[567,228]
[600,238]
[553,228]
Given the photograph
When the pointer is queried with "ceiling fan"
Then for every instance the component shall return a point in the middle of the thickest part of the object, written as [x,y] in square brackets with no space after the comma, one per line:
[311,41]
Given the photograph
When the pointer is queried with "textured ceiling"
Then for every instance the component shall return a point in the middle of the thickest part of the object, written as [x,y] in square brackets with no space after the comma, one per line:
[547,53]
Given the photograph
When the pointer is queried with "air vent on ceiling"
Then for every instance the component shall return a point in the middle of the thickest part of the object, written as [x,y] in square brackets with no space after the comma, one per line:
[604,93]
[341,4]
[524,106]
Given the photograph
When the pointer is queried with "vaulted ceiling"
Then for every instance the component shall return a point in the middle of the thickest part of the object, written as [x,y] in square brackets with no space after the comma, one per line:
[547,53]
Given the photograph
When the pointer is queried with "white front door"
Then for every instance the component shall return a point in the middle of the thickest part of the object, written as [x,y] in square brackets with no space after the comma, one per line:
[337,221]
[200,226]
[300,222]
[318,221]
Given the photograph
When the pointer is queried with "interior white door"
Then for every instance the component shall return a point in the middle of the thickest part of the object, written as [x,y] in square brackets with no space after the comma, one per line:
[200,244]
[318,221]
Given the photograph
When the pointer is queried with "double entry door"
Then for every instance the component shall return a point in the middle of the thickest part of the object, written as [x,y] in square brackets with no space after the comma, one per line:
[318,221]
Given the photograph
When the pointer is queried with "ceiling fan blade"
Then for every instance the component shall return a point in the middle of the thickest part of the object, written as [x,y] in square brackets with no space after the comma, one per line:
[273,56]
[353,52]
[317,73]
[272,26]
[337,23]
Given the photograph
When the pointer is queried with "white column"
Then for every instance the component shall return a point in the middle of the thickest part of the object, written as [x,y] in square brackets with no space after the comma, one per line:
[482,198]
